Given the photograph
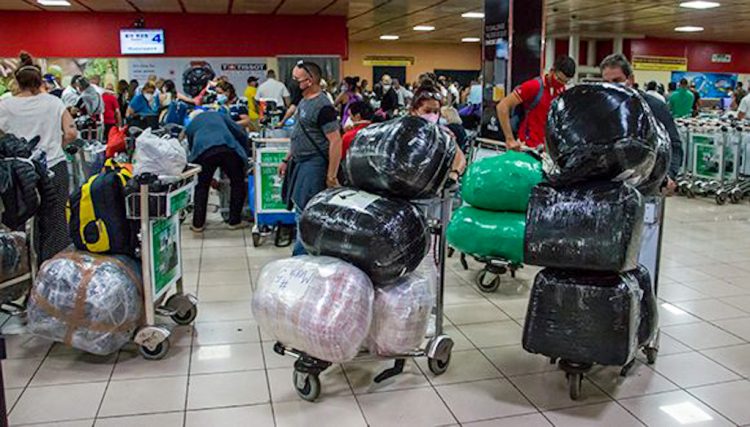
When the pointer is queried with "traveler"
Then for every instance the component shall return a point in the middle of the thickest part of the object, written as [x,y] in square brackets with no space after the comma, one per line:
[616,69]
[31,113]
[252,107]
[96,82]
[452,120]
[671,88]
[143,110]
[696,100]
[112,113]
[348,96]
[652,88]
[744,109]
[738,95]
[534,97]
[312,163]
[70,95]
[168,93]
[404,95]
[52,86]
[89,101]
[682,100]
[273,90]
[361,115]
[388,98]
[216,142]
[123,95]
[232,104]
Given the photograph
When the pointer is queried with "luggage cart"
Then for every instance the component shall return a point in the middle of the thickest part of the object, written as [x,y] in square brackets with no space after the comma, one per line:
[162,199]
[650,257]
[85,158]
[489,278]
[264,195]
[307,369]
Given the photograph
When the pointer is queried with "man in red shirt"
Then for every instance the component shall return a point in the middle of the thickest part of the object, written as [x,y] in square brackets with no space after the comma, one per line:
[112,114]
[534,97]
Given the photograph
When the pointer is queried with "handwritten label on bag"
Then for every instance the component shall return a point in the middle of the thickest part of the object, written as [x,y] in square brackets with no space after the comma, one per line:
[356,200]
[292,284]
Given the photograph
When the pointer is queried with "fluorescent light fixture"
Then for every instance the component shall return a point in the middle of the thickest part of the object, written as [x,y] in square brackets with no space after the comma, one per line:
[471,39]
[424,28]
[672,309]
[699,4]
[688,29]
[53,2]
[388,37]
[686,413]
[474,15]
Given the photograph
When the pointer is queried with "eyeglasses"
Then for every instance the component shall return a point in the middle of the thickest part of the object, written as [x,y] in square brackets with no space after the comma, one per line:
[430,95]
[303,65]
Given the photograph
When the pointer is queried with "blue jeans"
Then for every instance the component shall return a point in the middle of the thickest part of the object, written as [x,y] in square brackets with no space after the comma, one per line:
[298,248]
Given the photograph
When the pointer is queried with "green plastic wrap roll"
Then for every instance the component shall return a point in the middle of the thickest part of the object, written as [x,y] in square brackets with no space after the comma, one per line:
[488,234]
[501,183]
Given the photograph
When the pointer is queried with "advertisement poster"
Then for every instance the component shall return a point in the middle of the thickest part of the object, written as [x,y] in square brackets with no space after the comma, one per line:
[268,190]
[236,69]
[166,265]
[709,85]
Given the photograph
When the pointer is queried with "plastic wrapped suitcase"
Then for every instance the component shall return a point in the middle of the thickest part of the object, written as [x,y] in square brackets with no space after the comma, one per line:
[593,227]
[488,234]
[501,183]
[584,317]
[14,255]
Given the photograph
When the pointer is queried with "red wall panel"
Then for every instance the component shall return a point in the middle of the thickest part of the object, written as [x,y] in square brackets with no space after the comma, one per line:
[86,35]
[698,53]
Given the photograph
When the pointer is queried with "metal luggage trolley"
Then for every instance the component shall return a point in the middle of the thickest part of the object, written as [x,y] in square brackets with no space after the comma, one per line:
[438,348]
[269,210]
[489,278]
[162,198]
[715,158]
[86,158]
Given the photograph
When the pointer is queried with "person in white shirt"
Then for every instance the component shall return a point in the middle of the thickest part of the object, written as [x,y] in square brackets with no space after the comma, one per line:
[744,108]
[404,95]
[652,89]
[33,113]
[273,90]
[96,81]
[70,95]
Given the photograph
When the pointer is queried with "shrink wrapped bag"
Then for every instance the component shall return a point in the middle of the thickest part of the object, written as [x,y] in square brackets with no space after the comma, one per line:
[583,317]
[401,312]
[501,183]
[594,227]
[649,321]
[408,158]
[488,234]
[601,132]
[319,305]
[14,255]
[386,238]
[652,186]
[93,303]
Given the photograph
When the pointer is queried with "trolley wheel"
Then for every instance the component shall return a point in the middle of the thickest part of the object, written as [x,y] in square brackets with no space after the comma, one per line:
[575,382]
[257,239]
[187,317]
[307,385]
[157,353]
[225,216]
[721,198]
[735,196]
[485,285]
[437,366]
[451,250]
[689,193]
[651,354]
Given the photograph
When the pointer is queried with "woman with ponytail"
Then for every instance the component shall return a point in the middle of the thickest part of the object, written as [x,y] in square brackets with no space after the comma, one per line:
[31,113]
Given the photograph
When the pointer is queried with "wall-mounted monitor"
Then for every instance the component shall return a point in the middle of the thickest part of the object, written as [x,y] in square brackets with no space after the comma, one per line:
[141,42]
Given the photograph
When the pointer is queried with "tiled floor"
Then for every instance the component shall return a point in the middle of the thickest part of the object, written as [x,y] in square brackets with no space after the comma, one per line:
[221,373]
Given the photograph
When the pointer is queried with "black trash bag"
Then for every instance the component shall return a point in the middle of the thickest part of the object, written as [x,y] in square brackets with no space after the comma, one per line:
[594,227]
[583,317]
[195,79]
[601,132]
[408,158]
[649,308]
[385,238]
[653,185]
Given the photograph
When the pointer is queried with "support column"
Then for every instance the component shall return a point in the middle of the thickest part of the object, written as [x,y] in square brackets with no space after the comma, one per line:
[574,50]
[549,52]
[617,45]
[591,53]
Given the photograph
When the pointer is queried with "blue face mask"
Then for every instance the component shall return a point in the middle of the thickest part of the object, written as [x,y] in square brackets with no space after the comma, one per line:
[222,99]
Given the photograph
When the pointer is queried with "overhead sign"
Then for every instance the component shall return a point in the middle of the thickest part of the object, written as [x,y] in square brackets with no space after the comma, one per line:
[659,63]
[388,61]
[721,58]
[141,42]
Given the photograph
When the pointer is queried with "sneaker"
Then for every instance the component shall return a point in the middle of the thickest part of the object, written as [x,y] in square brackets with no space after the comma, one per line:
[197,230]
[239,226]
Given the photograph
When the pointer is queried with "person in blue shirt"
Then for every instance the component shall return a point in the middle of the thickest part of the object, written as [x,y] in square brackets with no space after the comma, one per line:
[230,103]
[143,110]
[217,142]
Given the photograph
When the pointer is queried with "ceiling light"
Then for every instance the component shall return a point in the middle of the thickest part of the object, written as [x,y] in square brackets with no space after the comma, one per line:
[475,15]
[688,29]
[700,4]
[471,39]
[53,2]
[388,37]
[424,28]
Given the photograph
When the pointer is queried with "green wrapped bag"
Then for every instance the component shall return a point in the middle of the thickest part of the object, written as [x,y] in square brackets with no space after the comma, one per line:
[488,234]
[501,183]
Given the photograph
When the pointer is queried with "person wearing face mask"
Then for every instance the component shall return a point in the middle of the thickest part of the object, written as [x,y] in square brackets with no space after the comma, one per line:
[143,110]
[312,163]
[427,104]
[616,69]
[229,101]
[348,96]
[389,98]
[535,97]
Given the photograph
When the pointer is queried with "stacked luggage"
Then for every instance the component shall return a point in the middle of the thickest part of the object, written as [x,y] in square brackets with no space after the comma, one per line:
[593,303]
[368,282]
[492,221]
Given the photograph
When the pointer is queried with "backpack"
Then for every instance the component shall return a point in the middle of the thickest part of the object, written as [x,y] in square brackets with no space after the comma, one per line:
[98,220]
[518,115]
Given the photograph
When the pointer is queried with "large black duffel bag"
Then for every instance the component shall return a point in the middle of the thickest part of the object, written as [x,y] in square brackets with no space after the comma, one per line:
[385,238]
[594,227]
[649,307]
[653,184]
[408,158]
[583,317]
[601,132]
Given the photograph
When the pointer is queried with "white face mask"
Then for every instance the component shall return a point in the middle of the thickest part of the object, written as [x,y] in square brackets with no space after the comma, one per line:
[386,88]
[149,96]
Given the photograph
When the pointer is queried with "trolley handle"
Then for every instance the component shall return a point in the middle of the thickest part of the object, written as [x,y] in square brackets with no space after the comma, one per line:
[534,152]
[192,171]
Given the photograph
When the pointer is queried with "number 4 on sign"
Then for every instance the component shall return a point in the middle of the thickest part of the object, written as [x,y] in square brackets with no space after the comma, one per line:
[157,38]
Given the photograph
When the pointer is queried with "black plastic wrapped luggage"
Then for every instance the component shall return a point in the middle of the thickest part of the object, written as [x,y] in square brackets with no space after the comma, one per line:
[652,186]
[385,238]
[408,158]
[649,308]
[583,317]
[601,132]
[594,227]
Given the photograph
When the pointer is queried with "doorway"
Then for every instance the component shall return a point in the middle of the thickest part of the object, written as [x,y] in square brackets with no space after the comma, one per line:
[395,73]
